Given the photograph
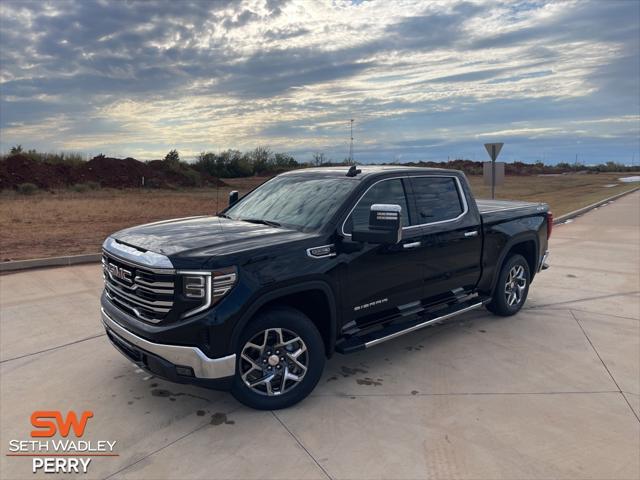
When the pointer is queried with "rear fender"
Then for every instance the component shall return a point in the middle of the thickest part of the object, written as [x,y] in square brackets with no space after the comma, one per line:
[513,242]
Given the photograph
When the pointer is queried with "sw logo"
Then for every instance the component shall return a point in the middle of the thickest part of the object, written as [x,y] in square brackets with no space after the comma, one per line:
[48,428]
[62,454]
[47,424]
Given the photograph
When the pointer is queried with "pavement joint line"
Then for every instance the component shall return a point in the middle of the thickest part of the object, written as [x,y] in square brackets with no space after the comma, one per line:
[197,429]
[624,395]
[461,394]
[52,348]
[605,365]
[301,444]
[630,393]
[575,241]
[14,303]
[599,297]
[589,269]
[583,311]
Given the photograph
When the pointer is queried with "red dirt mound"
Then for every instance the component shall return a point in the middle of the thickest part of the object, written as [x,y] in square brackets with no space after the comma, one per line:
[114,172]
[18,169]
[108,172]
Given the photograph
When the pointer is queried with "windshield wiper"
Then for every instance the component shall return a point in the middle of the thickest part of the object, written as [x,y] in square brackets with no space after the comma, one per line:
[271,223]
[224,215]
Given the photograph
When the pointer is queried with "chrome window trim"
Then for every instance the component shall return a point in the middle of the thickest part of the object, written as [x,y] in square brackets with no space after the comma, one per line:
[465,206]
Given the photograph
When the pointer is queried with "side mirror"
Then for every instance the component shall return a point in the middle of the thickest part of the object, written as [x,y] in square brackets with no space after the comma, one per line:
[233,197]
[384,227]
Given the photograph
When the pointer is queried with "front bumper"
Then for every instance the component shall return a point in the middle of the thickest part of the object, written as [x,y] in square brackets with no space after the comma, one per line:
[175,362]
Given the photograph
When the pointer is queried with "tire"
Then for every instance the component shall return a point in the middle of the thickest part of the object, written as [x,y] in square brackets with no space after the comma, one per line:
[512,287]
[292,373]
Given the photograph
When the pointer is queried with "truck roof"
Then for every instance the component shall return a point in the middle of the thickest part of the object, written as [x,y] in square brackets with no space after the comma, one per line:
[367,170]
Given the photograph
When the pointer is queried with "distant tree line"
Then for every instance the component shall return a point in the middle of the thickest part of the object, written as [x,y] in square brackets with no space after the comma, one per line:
[234,163]
[262,161]
[520,168]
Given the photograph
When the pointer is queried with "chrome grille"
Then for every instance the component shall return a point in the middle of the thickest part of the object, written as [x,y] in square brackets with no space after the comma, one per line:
[137,290]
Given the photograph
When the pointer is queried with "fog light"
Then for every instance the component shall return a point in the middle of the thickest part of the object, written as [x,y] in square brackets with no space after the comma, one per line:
[184,371]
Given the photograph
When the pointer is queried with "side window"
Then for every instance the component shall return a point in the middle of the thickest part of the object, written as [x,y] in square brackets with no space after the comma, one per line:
[437,199]
[386,191]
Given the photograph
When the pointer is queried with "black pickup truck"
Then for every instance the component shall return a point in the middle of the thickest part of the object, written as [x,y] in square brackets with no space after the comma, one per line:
[313,262]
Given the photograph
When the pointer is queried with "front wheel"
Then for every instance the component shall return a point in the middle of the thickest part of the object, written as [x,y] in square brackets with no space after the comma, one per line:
[280,358]
[512,287]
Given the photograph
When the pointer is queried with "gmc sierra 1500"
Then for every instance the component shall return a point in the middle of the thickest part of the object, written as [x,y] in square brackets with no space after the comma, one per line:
[310,263]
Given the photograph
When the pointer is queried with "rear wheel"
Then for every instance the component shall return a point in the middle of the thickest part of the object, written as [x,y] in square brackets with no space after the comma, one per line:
[280,359]
[512,287]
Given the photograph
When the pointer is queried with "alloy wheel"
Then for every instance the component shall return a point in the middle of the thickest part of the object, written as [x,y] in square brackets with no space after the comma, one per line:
[274,361]
[515,285]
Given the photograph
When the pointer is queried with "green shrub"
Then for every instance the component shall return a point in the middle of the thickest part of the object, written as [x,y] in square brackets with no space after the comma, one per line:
[84,187]
[79,187]
[66,158]
[152,183]
[194,178]
[26,188]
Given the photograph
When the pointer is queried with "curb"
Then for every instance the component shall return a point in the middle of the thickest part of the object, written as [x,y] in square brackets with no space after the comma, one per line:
[17,265]
[49,262]
[580,211]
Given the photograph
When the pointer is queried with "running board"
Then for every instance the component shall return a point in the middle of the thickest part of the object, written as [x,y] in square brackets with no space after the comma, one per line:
[357,343]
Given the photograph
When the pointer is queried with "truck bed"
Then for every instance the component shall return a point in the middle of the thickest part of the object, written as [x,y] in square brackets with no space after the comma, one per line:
[494,210]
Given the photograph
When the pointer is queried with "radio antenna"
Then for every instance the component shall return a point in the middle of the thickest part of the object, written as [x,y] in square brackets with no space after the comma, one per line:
[351,162]
[217,196]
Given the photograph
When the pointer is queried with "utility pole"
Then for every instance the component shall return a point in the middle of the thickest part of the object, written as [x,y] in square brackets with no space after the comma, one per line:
[351,144]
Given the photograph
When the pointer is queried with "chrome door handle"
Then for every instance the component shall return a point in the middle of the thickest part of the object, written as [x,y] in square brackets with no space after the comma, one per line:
[473,233]
[411,245]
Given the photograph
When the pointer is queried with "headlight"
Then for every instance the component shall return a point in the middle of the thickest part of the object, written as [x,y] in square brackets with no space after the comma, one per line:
[223,281]
[195,286]
[207,287]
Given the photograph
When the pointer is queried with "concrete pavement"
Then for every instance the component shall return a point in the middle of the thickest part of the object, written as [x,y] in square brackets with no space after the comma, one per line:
[553,392]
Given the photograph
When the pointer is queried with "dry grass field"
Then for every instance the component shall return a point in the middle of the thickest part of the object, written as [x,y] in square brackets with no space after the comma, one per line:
[68,223]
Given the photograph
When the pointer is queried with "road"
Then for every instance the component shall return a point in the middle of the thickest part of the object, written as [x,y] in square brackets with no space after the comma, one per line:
[553,392]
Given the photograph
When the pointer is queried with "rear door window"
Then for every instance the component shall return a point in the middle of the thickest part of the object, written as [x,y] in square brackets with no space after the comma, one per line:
[436,198]
[387,191]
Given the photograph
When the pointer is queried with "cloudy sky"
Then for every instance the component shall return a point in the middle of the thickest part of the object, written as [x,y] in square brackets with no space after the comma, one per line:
[422,79]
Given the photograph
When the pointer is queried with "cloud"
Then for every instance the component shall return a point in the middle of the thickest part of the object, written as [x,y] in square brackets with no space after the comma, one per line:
[422,80]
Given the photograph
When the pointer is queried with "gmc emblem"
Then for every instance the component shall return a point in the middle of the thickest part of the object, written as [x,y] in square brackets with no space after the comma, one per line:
[119,272]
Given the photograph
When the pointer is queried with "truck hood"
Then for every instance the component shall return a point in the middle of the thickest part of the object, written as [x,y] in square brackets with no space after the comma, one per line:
[204,235]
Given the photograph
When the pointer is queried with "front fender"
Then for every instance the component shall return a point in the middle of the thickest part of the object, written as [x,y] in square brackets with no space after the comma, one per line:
[283,291]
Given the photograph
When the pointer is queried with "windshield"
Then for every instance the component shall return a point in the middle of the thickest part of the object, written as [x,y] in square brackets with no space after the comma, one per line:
[296,201]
